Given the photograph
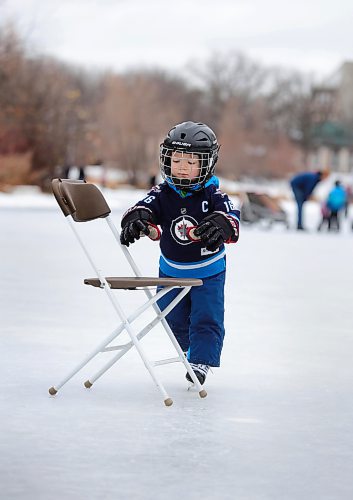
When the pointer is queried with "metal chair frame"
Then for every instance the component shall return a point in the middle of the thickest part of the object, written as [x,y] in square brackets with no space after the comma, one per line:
[82,202]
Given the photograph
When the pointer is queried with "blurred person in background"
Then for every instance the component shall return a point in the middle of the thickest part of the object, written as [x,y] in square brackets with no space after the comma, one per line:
[336,203]
[81,173]
[303,185]
[152,181]
[349,200]
[325,214]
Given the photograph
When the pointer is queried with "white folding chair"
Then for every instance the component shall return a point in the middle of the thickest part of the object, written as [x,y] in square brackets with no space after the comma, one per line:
[82,202]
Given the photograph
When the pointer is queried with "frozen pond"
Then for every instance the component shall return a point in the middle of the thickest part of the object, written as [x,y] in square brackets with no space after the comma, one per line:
[277,423]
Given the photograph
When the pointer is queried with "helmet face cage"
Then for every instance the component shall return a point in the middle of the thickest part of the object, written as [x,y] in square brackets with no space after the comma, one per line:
[206,163]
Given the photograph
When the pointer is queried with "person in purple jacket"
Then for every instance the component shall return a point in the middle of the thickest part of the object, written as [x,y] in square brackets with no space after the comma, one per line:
[303,185]
[196,219]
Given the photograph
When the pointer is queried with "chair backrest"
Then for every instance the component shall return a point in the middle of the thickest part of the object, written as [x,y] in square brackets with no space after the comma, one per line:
[84,202]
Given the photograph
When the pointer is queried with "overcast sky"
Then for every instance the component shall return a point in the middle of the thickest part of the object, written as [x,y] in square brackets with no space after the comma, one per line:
[315,36]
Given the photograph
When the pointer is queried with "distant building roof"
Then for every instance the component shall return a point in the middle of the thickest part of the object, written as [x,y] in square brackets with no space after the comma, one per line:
[335,79]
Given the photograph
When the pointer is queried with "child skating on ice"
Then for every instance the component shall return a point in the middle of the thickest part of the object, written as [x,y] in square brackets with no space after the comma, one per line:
[196,220]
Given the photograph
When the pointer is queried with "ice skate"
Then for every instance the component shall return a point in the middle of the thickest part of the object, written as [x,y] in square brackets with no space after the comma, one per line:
[200,372]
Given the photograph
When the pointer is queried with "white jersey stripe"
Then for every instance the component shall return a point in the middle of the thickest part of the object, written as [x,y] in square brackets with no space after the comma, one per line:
[195,266]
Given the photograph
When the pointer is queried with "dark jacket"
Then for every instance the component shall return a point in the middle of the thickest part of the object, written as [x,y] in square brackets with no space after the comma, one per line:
[180,256]
[305,183]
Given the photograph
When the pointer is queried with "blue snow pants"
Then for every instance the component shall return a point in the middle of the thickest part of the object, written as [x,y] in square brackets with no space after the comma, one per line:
[300,199]
[198,320]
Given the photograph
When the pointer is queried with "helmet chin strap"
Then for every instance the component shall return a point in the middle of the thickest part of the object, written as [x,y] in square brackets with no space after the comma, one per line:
[188,185]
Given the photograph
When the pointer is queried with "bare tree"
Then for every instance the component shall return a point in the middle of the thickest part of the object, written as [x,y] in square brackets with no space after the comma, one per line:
[137,110]
[61,115]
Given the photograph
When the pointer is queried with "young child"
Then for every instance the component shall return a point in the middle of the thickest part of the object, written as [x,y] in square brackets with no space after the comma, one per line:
[325,214]
[196,219]
[336,203]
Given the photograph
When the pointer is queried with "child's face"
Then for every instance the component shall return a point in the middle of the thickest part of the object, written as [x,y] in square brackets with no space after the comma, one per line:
[185,165]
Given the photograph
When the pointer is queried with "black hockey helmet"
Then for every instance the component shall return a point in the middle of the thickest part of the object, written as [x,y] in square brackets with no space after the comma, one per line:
[193,138]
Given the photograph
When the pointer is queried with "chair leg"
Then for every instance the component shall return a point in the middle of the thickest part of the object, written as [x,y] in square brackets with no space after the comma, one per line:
[159,318]
[202,392]
[167,400]
[135,340]
[137,272]
[54,389]
[123,351]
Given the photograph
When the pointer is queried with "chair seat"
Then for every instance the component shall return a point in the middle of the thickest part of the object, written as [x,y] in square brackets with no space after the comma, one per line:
[131,283]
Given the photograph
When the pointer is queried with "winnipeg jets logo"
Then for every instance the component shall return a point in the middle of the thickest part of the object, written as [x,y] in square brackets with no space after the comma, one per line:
[179,226]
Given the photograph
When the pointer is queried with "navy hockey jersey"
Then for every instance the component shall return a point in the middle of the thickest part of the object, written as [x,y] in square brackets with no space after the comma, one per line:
[174,213]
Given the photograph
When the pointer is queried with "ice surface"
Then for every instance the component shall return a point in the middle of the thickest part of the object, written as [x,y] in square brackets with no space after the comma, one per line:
[277,423]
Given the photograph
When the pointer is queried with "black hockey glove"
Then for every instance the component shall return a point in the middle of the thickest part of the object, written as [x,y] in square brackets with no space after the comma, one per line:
[215,229]
[136,222]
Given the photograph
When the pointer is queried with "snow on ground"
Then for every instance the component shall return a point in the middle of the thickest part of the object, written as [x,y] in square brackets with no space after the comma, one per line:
[277,420]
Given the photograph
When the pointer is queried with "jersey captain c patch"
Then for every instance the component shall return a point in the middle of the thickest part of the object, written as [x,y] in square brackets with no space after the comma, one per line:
[179,226]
